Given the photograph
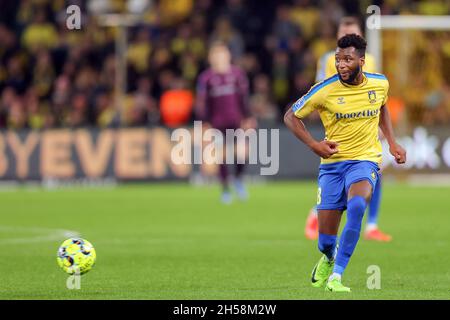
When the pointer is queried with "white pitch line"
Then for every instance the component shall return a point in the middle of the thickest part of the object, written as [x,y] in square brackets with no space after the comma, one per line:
[46,234]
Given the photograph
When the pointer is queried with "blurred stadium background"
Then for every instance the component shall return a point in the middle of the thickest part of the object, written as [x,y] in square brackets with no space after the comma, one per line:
[55,78]
[97,105]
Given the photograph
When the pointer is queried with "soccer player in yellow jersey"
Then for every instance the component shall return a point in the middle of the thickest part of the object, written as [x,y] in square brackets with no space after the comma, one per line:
[351,105]
[325,69]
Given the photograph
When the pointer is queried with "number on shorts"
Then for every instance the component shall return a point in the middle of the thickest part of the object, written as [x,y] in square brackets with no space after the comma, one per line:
[319,195]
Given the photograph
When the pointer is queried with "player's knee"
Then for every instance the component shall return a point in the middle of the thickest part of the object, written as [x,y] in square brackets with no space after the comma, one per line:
[355,209]
[326,242]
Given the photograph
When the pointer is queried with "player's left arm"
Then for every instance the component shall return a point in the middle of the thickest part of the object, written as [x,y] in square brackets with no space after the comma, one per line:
[386,126]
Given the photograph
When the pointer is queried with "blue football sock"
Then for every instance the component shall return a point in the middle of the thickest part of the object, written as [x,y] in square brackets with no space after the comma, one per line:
[327,245]
[350,235]
[374,205]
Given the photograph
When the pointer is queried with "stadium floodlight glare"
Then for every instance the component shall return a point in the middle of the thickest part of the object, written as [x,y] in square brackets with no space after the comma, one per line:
[98,6]
[137,6]
[391,22]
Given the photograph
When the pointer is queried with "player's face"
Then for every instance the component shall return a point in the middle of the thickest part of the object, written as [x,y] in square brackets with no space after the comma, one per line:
[348,64]
[220,58]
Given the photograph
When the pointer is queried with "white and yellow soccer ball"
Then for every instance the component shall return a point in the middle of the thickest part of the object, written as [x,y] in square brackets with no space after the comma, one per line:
[76,256]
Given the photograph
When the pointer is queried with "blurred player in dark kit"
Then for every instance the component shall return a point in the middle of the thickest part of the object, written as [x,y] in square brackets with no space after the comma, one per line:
[222,103]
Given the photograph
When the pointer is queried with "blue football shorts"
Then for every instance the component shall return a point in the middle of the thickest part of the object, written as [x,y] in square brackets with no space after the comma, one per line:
[336,178]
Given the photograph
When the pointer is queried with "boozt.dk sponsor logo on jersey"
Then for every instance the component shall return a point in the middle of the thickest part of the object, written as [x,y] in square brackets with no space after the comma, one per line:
[356,115]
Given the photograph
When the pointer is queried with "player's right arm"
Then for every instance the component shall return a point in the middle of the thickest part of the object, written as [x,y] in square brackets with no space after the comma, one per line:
[386,127]
[323,149]
[292,118]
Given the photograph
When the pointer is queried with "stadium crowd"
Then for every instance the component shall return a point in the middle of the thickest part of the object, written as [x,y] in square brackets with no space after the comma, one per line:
[54,77]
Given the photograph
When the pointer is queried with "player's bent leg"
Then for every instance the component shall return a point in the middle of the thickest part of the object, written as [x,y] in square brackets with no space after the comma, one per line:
[350,234]
[359,194]
[329,225]
[331,201]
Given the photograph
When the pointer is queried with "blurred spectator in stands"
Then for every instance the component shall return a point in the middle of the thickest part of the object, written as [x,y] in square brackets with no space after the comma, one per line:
[106,115]
[189,67]
[8,46]
[306,15]
[188,47]
[53,76]
[262,106]
[186,40]
[250,64]
[43,74]
[16,76]
[143,110]
[77,116]
[161,59]
[199,30]
[108,72]
[280,76]
[173,12]
[237,13]
[332,12]
[7,98]
[16,115]
[225,32]
[36,118]
[301,59]
[325,41]
[139,50]
[25,13]
[60,99]
[283,30]
[40,34]
[86,80]
[163,82]
[432,7]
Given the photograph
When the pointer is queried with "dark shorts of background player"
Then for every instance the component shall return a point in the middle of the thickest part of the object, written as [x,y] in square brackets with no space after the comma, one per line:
[223,129]
[336,178]
[233,139]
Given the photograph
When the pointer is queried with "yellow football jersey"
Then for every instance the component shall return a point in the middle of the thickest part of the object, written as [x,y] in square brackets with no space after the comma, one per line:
[326,66]
[349,113]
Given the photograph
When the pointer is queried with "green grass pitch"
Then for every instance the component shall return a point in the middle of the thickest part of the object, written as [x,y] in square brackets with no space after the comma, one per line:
[175,241]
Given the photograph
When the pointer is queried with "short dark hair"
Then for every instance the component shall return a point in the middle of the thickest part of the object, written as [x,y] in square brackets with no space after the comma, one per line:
[353,40]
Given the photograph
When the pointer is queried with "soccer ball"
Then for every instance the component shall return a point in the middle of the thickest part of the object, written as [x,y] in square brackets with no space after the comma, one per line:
[76,255]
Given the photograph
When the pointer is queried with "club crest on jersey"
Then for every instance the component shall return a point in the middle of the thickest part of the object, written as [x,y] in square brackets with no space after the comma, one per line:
[372,96]
[374,175]
[340,100]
